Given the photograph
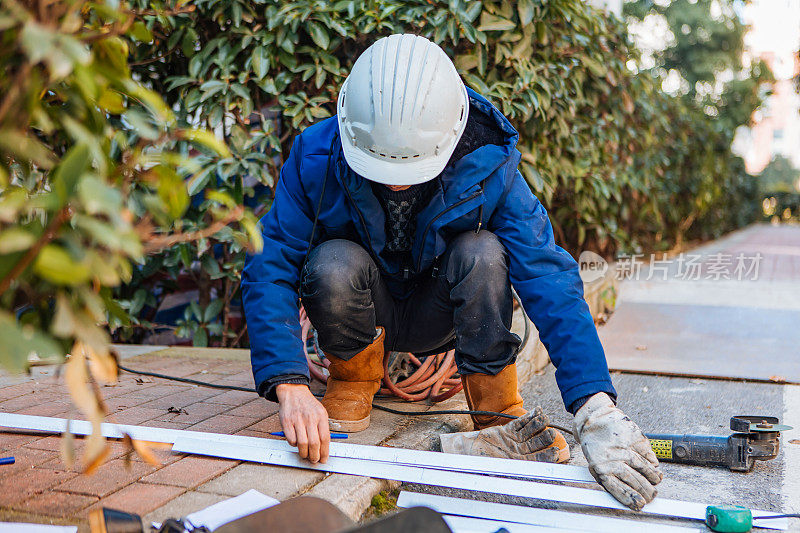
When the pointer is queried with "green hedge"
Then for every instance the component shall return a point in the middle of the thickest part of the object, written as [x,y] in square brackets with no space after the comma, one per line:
[92,170]
[620,165]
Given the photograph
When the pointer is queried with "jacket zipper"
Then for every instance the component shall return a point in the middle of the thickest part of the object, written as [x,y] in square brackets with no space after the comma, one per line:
[434,219]
[363,224]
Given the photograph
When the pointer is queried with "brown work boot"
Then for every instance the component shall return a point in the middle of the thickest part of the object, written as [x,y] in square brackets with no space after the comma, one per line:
[500,393]
[351,387]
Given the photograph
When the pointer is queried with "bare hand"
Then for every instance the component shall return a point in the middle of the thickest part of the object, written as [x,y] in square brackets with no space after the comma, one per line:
[304,421]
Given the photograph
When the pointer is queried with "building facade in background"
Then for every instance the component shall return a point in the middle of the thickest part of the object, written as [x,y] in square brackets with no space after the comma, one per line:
[774,37]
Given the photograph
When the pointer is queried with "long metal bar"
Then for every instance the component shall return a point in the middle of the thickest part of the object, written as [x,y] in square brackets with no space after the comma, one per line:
[461,524]
[281,451]
[533,515]
[442,461]
[456,480]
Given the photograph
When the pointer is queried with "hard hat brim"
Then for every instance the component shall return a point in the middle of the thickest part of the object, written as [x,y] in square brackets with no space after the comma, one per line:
[390,172]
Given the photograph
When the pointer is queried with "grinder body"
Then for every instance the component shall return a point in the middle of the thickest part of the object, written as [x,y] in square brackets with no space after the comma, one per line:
[755,438]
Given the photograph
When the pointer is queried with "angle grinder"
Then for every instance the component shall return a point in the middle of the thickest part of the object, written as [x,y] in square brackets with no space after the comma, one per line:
[755,438]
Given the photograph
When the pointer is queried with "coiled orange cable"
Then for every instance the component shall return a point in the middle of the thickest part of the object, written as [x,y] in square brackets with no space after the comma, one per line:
[435,379]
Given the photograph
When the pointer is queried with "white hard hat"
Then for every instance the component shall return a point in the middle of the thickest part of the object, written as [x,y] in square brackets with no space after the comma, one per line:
[401,111]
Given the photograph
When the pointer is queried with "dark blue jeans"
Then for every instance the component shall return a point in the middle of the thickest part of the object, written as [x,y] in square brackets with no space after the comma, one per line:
[467,303]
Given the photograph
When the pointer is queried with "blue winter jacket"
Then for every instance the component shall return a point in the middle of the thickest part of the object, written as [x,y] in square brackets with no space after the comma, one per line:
[482,188]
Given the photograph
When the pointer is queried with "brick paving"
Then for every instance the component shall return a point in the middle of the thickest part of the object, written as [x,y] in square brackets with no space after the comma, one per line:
[40,488]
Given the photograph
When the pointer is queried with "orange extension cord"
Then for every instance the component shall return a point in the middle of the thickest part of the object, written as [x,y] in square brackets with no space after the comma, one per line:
[436,379]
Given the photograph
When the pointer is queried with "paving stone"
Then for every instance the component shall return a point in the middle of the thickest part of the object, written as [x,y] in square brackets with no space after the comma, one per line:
[267,425]
[183,505]
[26,483]
[232,397]
[190,471]
[12,391]
[197,412]
[257,408]
[107,479]
[119,403]
[280,482]
[223,424]
[166,424]
[13,440]
[52,443]
[51,408]
[139,498]
[115,450]
[137,415]
[183,398]
[27,401]
[56,503]
[25,459]
[151,391]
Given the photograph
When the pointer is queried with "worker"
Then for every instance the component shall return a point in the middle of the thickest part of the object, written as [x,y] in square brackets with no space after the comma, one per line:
[402,224]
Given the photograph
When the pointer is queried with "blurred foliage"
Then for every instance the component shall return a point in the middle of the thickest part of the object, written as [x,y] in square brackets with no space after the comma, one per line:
[619,164]
[719,92]
[706,48]
[93,170]
[779,176]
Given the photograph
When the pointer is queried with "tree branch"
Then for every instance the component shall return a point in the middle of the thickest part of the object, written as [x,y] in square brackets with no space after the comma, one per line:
[157,243]
[48,235]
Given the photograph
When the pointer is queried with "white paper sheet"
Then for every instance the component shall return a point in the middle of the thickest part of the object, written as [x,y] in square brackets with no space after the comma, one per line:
[229,510]
[18,527]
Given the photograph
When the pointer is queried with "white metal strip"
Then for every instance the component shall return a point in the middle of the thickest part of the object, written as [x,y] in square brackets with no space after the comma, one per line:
[457,480]
[533,515]
[460,524]
[442,461]
[355,453]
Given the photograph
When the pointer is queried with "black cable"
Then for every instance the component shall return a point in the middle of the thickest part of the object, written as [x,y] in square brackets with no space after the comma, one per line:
[374,405]
[790,515]
[527,335]
[186,380]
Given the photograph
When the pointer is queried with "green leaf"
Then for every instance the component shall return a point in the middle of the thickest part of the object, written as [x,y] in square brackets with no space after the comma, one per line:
[16,239]
[213,309]
[21,342]
[491,22]
[26,148]
[525,9]
[171,191]
[111,101]
[260,61]
[318,34]
[56,265]
[99,197]
[200,338]
[207,139]
[141,33]
[69,172]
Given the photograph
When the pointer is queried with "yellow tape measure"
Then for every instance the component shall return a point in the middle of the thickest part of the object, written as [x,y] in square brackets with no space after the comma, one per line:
[663,448]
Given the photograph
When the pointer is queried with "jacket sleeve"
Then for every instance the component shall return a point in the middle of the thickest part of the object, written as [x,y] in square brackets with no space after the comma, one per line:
[270,279]
[548,282]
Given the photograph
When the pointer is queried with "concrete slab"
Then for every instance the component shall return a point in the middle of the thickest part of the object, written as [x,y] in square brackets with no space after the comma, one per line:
[723,341]
[686,405]
[280,482]
[695,314]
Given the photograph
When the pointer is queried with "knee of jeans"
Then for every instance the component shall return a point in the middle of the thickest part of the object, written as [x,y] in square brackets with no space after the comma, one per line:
[335,268]
[482,251]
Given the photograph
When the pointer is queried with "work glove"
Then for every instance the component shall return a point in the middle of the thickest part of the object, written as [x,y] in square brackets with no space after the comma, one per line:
[526,437]
[619,455]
